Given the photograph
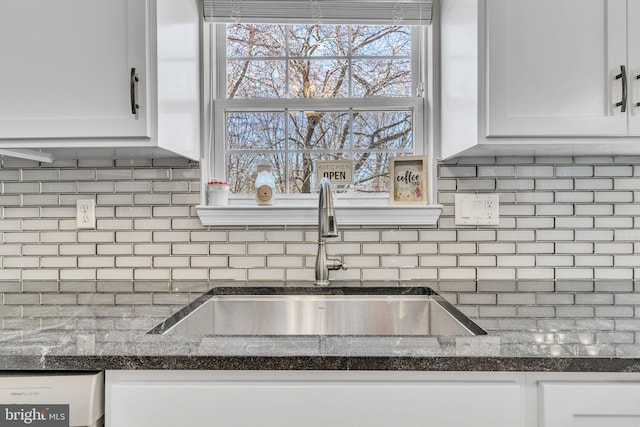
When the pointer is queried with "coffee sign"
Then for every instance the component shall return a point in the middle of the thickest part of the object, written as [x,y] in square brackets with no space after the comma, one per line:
[408,180]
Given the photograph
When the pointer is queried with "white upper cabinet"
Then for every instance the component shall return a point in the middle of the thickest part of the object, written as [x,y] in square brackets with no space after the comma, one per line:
[67,68]
[540,77]
[633,31]
[100,73]
[552,67]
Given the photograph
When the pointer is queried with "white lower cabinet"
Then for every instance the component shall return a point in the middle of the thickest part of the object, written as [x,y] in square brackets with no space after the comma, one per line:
[583,401]
[313,399]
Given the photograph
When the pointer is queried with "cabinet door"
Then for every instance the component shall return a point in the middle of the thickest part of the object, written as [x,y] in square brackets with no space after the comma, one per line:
[552,67]
[168,399]
[589,404]
[66,68]
[633,23]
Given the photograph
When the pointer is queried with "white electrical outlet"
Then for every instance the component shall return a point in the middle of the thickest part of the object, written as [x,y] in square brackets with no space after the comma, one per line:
[477,209]
[86,213]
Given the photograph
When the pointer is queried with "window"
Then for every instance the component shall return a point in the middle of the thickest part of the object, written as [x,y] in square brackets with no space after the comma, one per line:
[294,94]
[297,81]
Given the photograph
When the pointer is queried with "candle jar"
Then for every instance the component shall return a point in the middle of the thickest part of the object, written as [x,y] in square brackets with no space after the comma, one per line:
[218,193]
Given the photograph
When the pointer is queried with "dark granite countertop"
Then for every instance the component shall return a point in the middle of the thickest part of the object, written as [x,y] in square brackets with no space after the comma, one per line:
[121,342]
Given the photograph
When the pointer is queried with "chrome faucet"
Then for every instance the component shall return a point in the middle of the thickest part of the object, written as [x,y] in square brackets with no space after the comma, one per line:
[327,227]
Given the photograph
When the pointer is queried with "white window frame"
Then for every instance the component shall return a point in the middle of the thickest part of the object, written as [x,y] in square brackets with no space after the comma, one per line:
[301,209]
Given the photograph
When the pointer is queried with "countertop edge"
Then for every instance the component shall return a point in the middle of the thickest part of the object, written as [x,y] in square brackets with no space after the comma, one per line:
[299,363]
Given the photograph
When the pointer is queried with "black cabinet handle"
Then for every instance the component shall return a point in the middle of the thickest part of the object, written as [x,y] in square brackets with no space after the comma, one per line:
[638,78]
[133,86]
[623,75]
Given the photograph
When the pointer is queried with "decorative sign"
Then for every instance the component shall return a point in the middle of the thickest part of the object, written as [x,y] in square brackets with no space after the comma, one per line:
[338,171]
[34,415]
[408,180]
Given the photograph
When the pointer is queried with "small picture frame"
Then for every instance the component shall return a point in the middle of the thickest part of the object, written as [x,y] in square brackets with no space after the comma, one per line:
[408,180]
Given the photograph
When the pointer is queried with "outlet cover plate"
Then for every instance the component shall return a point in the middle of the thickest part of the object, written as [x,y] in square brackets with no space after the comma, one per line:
[477,209]
[86,214]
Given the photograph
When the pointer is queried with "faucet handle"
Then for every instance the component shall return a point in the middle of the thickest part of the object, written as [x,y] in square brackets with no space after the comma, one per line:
[336,264]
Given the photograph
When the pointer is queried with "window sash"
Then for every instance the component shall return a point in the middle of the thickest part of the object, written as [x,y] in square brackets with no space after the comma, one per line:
[221,105]
[219,154]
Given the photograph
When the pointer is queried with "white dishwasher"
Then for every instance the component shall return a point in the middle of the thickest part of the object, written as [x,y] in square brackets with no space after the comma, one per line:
[42,399]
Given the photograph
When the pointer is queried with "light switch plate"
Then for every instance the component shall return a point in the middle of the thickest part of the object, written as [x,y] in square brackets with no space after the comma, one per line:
[477,209]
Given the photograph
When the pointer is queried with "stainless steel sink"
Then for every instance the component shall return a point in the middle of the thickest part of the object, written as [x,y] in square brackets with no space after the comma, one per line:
[415,311]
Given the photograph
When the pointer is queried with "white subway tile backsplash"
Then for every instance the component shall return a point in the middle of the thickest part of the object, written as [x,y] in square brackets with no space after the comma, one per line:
[76,274]
[496,274]
[95,187]
[39,274]
[115,274]
[266,274]
[373,274]
[447,171]
[554,184]
[380,248]
[562,219]
[299,275]
[535,222]
[419,274]
[399,261]
[457,248]
[594,184]
[301,249]
[609,171]
[593,260]
[185,261]
[516,261]
[574,171]
[497,248]
[594,210]
[438,235]
[132,186]
[114,199]
[457,274]
[574,197]
[246,236]
[228,274]
[246,261]
[38,250]
[21,262]
[189,274]
[515,184]
[537,273]
[575,222]
[623,234]
[555,235]
[534,197]
[476,235]
[163,236]
[285,261]
[265,249]
[361,236]
[574,273]
[171,211]
[362,261]
[56,262]
[477,185]
[496,171]
[574,248]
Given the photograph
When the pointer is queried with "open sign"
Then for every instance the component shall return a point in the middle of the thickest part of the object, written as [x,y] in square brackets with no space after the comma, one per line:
[338,171]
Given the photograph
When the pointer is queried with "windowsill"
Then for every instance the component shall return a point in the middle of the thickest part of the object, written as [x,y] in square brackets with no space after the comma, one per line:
[370,211]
